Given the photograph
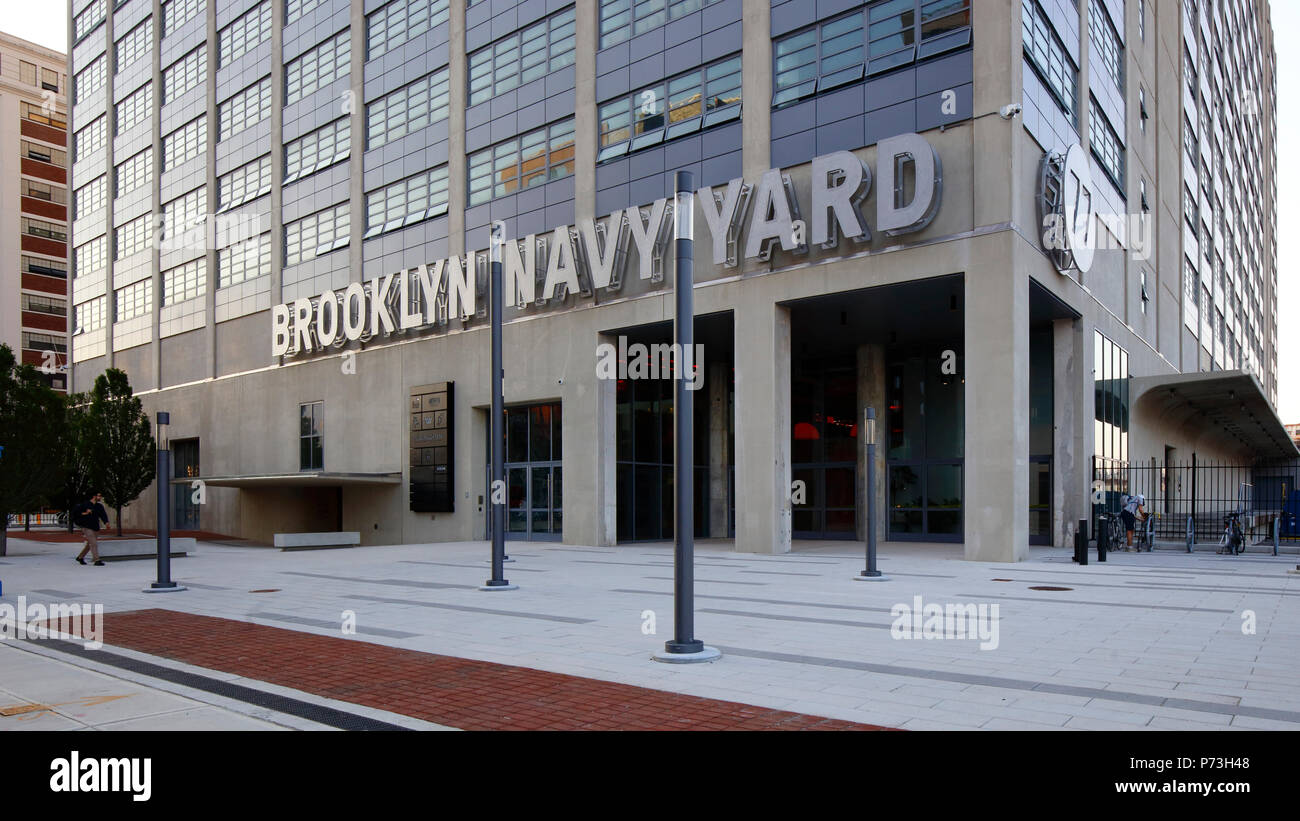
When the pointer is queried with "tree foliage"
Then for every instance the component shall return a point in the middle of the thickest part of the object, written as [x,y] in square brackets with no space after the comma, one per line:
[31,419]
[119,442]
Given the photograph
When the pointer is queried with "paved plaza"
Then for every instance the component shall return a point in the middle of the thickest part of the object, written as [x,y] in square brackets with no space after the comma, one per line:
[1149,641]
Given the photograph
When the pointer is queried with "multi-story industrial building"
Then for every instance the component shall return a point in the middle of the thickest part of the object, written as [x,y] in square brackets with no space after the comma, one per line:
[34,206]
[1037,236]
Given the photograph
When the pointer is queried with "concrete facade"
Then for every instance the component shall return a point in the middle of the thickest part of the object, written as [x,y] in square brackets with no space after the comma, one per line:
[207,357]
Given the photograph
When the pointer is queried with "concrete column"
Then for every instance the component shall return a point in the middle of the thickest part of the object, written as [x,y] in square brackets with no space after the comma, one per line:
[763,514]
[457,100]
[996,505]
[756,128]
[590,453]
[585,120]
[719,455]
[872,386]
[1070,456]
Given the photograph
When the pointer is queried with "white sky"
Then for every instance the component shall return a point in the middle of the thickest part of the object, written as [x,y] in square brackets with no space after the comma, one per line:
[46,23]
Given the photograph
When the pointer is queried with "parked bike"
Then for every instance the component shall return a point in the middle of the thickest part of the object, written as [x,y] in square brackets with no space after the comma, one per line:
[1233,541]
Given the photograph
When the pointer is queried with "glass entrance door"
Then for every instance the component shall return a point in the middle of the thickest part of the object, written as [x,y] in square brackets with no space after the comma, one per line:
[924,447]
[185,465]
[534,476]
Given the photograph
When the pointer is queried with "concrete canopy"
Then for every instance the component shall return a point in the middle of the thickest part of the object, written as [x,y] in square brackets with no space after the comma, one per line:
[1229,401]
[304,479]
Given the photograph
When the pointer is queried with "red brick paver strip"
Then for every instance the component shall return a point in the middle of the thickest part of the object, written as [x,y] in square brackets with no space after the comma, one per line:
[454,692]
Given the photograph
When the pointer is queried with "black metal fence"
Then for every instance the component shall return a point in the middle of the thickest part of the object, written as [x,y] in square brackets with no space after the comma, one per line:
[1201,493]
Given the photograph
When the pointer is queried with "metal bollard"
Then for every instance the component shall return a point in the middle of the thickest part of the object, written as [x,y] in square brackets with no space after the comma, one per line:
[1277,532]
[1103,540]
[1081,542]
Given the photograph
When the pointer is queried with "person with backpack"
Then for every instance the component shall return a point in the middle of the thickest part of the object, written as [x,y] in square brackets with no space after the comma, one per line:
[87,516]
[1132,513]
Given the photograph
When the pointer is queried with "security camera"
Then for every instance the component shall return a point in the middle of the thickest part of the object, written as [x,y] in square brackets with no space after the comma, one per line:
[1010,110]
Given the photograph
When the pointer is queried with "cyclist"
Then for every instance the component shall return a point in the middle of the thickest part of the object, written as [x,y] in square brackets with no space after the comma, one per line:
[1133,510]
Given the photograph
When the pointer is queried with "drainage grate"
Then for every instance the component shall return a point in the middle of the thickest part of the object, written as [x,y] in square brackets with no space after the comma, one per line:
[1049,587]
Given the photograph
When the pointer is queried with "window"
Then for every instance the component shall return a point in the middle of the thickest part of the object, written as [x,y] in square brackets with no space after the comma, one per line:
[318,67]
[45,304]
[318,149]
[1190,144]
[400,21]
[45,267]
[90,80]
[132,173]
[90,197]
[407,201]
[521,57]
[133,237]
[91,138]
[244,261]
[665,111]
[1110,370]
[184,282]
[33,227]
[621,19]
[134,109]
[1106,39]
[248,31]
[45,154]
[316,234]
[311,435]
[185,74]
[185,143]
[407,109]
[42,191]
[184,212]
[1049,59]
[44,342]
[1146,207]
[247,182]
[1143,292]
[1191,295]
[89,18]
[245,109]
[39,114]
[88,316]
[134,44]
[528,160]
[1142,109]
[27,72]
[133,300]
[176,13]
[1142,20]
[293,9]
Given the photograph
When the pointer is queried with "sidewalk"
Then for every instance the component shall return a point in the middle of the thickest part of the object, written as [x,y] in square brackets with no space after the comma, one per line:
[1143,641]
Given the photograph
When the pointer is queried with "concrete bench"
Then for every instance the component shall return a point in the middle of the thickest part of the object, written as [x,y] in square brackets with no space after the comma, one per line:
[123,549]
[317,541]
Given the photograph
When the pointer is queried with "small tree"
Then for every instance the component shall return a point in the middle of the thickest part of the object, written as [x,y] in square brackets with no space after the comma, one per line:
[77,481]
[119,442]
[31,423]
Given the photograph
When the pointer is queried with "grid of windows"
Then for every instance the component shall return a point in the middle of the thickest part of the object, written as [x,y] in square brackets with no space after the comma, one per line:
[133,237]
[293,9]
[133,300]
[621,19]
[407,109]
[41,114]
[46,230]
[400,21]
[45,304]
[91,138]
[245,109]
[1106,146]
[1106,39]
[244,260]
[44,342]
[90,197]
[42,191]
[134,109]
[248,31]
[185,143]
[527,160]
[881,38]
[90,257]
[176,13]
[407,201]
[185,74]
[522,57]
[47,267]
[184,212]
[666,111]
[27,73]
[183,282]
[90,79]
[247,182]
[319,149]
[318,67]
[43,153]
[1050,60]
[88,316]
[317,234]
[133,172]
[134,44]
[89,18]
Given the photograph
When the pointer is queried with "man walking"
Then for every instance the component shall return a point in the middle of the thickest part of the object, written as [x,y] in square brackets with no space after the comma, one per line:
[87,516]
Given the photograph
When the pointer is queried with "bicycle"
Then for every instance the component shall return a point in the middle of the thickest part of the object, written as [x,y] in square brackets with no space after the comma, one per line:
[1146,534]
[1109,525]
[1233,540]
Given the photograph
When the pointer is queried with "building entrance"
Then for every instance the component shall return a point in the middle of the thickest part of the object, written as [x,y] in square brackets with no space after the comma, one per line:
[534,476]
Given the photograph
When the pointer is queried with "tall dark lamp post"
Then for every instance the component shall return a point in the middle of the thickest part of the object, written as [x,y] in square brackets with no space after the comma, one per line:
[496,492]
[872,573]
[684,647]
[164,472]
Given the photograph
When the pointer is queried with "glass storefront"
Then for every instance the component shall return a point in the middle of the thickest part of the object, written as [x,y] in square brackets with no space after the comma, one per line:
[534,476]
[924,445]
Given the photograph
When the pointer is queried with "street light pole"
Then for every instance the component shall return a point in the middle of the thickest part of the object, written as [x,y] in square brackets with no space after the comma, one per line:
[684,647]
[872,573]
[163,471]
[496,488]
